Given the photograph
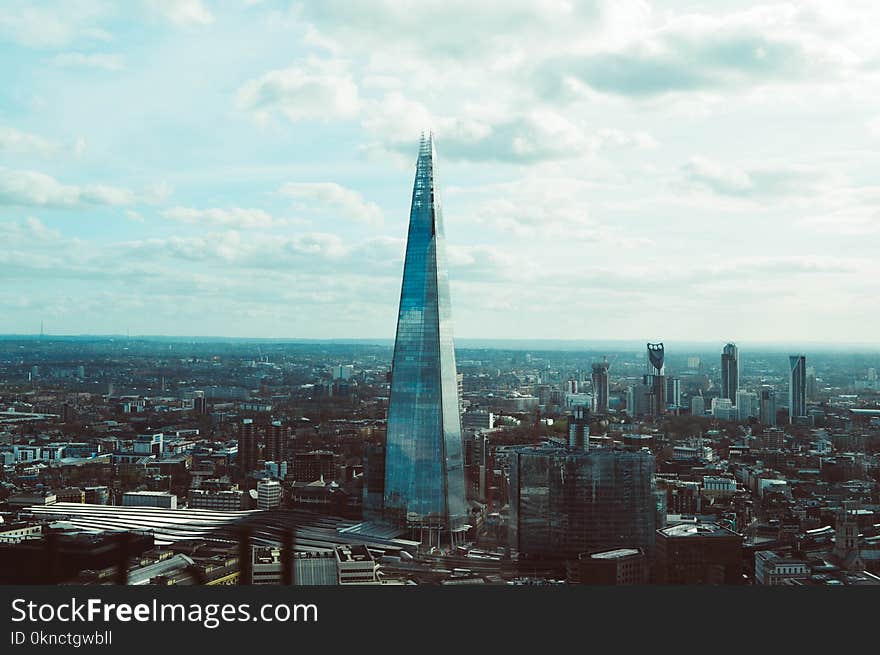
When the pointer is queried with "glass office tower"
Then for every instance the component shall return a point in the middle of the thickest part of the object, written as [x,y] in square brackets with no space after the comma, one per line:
[730,371]
[566,501]
[424,472]
[797,387]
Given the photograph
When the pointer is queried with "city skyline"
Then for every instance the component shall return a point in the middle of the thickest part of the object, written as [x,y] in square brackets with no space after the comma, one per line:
[631,170]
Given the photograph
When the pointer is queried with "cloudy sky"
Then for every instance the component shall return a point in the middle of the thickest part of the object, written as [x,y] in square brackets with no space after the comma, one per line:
[610,169]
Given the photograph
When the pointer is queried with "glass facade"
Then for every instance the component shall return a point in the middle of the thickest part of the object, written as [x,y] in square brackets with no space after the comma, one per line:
[797,387]
[565,502]
[424,465]
[729,371]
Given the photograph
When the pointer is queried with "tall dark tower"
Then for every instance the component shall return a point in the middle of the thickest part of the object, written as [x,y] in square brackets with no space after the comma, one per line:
[424,460]
[248,448]
[600,387]
[277,436]
[655,380]
[730,372]
[797,387]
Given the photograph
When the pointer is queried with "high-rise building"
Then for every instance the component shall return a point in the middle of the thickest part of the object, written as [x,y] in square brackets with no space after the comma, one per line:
[673,391]
[277,435]
[797,387]
[655,380]
[200,403]
[268,494]
[424,467]
[746,405]
[729,372]
[698,406]
[565,501]
[637,400]
[600,387]
[723,409]
[248,448]
[767,412]
[579,428]
[812,384]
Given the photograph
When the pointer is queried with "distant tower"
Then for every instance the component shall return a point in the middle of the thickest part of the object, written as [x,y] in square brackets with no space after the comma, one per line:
[579,428]
[673,391]
[424,460]
[200,403]
[730,372]
[277,435]
[656,356]
[767,411]
[248,450]
[600,387]
[797,387]
[655,380]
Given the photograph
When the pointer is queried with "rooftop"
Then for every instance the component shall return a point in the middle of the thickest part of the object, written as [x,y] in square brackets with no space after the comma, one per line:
[618,553]
[697,530]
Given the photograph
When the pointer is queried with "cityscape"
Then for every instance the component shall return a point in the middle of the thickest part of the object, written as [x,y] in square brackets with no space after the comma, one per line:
[168,461]
[381,293]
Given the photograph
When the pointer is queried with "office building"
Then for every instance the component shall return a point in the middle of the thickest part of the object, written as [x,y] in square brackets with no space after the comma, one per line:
[699,553]
[746,405]
[161,499]
[767,411]
[797,388]
[343,372]
[200,403]
[277,436]
[477,419]
[564,502]
[723,409]
[424,469]
[772,569]
[579,428]
[231,500]
[729,372]
[268,494]
[618,566]
[637,400]
[248,448]
[149,444]
[698,406]
[673,392]
[600,387]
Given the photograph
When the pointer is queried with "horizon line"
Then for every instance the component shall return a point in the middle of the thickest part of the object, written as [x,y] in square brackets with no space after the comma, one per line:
[382,340]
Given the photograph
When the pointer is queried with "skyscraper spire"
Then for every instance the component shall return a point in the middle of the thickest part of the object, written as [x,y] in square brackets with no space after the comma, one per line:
[424,473]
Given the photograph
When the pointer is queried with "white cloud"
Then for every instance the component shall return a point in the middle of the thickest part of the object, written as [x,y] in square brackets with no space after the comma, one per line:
[16,142]
[52,25]
[758,181]
[30,188]
[110,62]
[32,229]
[236,217]
[314,89]
[182,12]
[332,201]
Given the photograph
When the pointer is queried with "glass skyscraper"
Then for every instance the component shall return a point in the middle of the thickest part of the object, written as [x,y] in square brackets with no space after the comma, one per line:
[566,501]
[424,464]
[729,371]
[797,387]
